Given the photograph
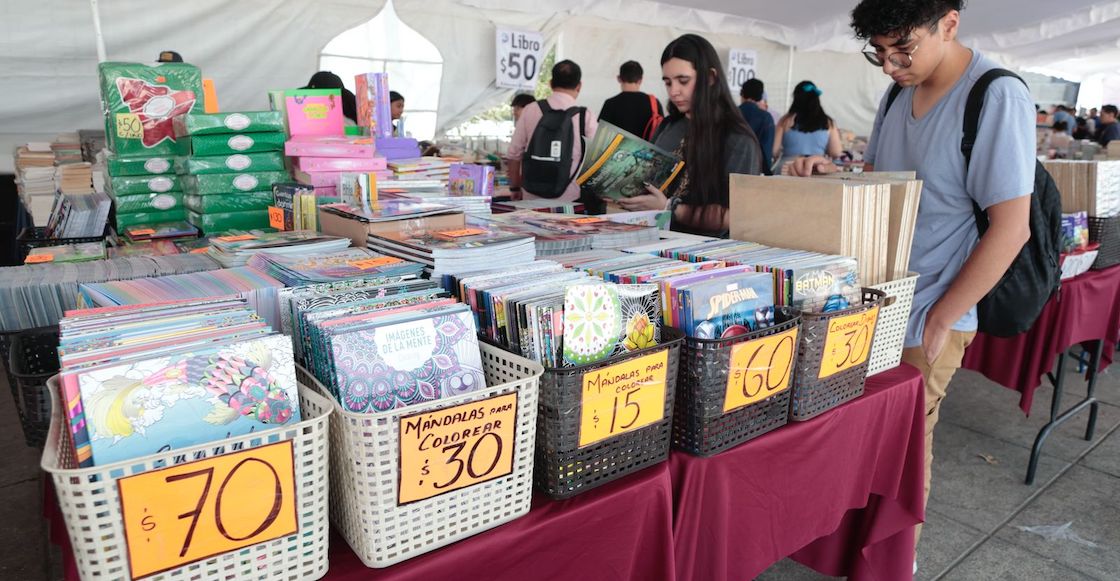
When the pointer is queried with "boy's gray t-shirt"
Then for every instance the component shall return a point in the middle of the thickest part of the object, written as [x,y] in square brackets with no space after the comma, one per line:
[1002,169]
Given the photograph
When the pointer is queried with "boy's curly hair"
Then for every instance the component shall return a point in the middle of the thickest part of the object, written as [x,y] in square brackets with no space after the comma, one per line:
[882,17]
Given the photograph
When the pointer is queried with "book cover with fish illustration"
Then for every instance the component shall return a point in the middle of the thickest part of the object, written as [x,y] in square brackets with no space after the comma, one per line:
[394,364]
[601,321]
[184,399]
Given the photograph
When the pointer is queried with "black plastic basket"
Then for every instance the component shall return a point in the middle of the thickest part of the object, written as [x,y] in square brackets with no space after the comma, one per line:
[1106,231]
[562,468]
[700,425]
[32,360]
[36,237]
[811,395]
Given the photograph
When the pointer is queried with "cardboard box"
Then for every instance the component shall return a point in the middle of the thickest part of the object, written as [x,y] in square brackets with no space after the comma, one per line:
[358,231]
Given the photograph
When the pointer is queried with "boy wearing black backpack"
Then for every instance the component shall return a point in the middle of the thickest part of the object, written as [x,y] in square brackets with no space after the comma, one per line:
[549,140]
[919,128]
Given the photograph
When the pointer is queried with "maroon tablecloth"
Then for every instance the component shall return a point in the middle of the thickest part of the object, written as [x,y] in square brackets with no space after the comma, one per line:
[841,492]
[1087,308]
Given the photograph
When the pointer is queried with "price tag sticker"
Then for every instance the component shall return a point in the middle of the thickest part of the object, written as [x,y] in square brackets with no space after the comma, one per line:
[129,126]
[848,342]
[588,220]
[759,369]
[38,258]
[202,250]
[238,238]
[518,58]
[141,232]
[276,217]
[375,262]
[461,233]
[456,447]
[193,511]
[622,398]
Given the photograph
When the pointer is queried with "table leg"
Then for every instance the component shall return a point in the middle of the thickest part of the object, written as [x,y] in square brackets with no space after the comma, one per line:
[1056,418]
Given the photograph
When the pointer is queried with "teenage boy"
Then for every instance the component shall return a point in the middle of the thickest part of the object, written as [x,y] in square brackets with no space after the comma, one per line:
[631,109]
[915,43]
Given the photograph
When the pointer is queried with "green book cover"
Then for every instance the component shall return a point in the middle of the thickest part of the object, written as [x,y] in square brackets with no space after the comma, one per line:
[224,183]
[228,123]
[236,163]
[202,145]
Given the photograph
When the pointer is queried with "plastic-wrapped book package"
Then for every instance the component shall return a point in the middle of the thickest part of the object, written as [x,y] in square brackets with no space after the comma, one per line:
[139,166]
[238,162]
[140,103]
[209,184]
[222,222]
[172,215]
[223,203]
[224,123]
[150,202]
[239,143]
[127,185]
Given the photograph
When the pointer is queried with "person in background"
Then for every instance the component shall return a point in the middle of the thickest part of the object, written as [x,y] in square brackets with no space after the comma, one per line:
[915,42]
[632,110]
[1108,130]
[1083,130]
[520,101]
[752,106]
[1061,113]
[1060,137]
[396,109]
[707,131]
[1094,120]
[169,56]
[806,130]
[567,81]
[329,80]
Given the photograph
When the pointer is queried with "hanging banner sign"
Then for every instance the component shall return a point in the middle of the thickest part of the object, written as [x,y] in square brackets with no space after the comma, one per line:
[742,65]
[519,55]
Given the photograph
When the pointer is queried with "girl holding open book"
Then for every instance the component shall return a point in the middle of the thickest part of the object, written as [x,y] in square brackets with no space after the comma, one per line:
[706,130]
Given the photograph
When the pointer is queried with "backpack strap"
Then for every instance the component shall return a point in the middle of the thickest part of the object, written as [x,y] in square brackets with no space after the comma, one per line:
[652,105]
[545,108]
[972,110]
[582,142]
[896,90]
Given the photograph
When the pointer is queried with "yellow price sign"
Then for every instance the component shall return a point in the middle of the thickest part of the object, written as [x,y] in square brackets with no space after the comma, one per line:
[461,233]
[623,397]
[456,447]
[848,342]
[38,258]
[276,217]
[375,262]
[193,511]
[759,369]
[129,126]
[238,238]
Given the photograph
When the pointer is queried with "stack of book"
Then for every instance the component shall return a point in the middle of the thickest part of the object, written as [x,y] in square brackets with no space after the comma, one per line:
[144,379]
[320,160]
[81,252]
[720,302]
[453,251]
[549,206]
[160,231]
[625,268]
[604,233]
[310,267]
[237,248]
[295,206]
[1088,186]
[420,168]
[79,215]
[234,160]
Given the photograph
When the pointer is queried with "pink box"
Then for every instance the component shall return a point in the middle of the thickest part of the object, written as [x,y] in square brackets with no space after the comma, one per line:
[318,179]
[329,146]
[342,164]
[314,112]
[326,192]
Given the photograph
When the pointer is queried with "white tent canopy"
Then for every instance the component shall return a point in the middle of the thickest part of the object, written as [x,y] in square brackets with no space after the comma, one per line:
[48,51]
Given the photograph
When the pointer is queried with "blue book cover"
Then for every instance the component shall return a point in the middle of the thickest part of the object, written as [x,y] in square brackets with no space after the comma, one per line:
[729,306]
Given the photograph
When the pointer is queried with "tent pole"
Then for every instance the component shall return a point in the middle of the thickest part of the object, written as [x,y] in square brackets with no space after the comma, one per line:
[97,31]
[789,80]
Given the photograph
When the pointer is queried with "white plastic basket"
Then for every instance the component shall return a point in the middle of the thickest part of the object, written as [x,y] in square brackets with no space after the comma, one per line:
[890,331]
[90,503]
[365,468]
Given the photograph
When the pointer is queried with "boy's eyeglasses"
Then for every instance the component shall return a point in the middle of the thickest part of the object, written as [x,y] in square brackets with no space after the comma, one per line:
[900,59]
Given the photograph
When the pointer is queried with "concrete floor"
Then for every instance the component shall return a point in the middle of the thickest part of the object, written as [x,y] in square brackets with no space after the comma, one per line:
[977,506]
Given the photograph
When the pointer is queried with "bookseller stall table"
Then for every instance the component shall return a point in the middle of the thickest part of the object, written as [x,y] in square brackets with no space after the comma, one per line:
[1086,312]
[840,493]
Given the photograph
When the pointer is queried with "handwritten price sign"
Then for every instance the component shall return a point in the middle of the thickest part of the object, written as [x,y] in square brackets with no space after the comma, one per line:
[623,397]
[848,342]
[129,126]
[193,511]
[456,447]
[375,262]
[759,369]
[276,217]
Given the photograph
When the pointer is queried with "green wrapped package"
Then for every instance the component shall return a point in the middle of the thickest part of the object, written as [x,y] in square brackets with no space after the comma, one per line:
[221,203]
[238,162]
[224,183]
[140,103]
[172,215]
[127,185]
[210,223]
[240,143]
[225,123]
[139,166]
[148,203]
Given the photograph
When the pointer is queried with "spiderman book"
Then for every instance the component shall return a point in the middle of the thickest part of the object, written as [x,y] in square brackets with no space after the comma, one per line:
[182,399]
[728,306]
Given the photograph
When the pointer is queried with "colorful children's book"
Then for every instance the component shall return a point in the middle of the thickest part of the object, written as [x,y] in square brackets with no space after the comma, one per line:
[727,306]
[314,112]
[372,92]
[602,320]
[471,180]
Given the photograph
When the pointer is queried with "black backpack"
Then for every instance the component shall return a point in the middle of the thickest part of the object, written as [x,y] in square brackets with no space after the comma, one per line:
[1013,305]
[546,165]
